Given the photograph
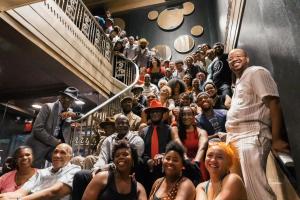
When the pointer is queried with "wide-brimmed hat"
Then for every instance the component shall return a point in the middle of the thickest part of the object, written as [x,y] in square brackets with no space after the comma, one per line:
[71,92]
[137,87]
[156,105]
[126,98]
[107,121]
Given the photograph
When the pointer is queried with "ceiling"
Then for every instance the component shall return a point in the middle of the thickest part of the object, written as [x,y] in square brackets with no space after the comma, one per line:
[118,6]
[29,75]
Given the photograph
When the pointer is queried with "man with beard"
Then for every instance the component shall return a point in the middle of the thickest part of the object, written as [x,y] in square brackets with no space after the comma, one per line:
[192,69]
[134,120]
[220,72]
[211,120]
[156,136]
[143,54]
[254,122]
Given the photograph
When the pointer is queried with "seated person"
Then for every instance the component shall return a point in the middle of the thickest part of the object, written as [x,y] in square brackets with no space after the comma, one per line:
[211,120]
[156,136]
[108,127]
[223,184]
[54,182]
[220,101]
[194,141]
[118,183]
[13,180]
[173,185]
[82,178]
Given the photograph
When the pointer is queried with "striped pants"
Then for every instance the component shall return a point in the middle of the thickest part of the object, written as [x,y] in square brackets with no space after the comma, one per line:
[253,153]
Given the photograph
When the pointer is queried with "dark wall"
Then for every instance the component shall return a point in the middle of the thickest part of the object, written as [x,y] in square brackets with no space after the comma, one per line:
[138,24]
[270,33]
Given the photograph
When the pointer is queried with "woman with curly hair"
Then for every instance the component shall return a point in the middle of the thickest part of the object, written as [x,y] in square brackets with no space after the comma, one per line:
[177,87]
[155,70]
[119,183]
[174,185]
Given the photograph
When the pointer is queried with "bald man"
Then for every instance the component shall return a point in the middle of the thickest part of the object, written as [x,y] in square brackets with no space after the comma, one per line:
[50,183]
[254,122]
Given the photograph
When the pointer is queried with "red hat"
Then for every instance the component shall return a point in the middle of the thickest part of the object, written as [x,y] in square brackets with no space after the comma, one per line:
[156,105]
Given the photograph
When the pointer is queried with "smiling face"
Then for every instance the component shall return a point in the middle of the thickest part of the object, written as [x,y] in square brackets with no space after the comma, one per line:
[61,156]
[172,163]
[216,161]
[187,116]
[24,158]
[123,159]
[211,90]
[205,102]
[238,61]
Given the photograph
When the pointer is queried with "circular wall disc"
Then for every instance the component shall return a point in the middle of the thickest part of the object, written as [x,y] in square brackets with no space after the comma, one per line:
[170,19]
[184,43]
[120,22]
[152,15]
[197,30]
[188,8]
[163,51]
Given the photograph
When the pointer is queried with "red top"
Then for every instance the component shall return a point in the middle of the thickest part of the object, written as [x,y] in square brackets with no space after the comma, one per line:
[191,143]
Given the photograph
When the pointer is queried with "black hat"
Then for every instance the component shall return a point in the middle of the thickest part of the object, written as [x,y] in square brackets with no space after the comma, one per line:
[71,92]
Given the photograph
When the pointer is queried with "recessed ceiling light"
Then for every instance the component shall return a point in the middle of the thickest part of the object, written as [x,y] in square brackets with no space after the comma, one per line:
[37,106]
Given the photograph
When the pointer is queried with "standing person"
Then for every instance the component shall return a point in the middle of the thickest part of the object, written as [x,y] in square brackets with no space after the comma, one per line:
[52,127]
[143,54]
[155,70]
[220,71]
[130,50]
[149,87]
[118,183]
[134,120]
[254,122]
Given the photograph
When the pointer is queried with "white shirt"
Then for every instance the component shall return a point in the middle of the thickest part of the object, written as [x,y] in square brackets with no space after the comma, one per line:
[45,178]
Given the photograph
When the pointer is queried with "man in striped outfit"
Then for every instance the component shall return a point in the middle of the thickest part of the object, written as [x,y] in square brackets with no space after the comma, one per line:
[254,122]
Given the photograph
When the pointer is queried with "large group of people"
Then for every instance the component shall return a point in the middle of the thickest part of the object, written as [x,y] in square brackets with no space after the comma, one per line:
[198,128]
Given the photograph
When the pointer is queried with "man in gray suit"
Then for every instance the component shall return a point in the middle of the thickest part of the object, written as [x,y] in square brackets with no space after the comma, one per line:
[52,127]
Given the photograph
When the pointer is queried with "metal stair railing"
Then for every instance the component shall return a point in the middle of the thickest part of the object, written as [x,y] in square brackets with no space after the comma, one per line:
[86,130]
[86,23]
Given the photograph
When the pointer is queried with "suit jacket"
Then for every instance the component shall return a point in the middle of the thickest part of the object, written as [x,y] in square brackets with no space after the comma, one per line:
[164,137]
[42,139]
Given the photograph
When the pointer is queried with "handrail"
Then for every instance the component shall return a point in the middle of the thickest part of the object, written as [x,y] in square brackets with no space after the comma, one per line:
[114,97]
[87,24]
[87,131]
